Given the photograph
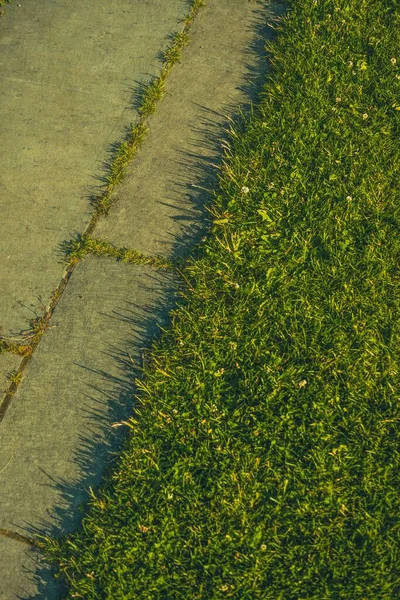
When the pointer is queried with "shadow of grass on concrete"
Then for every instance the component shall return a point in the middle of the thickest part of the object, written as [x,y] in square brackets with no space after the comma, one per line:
[204,172]
[99,448]
[98,454]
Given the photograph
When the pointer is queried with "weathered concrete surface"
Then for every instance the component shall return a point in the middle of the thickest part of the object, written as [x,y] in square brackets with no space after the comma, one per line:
[8,362]
[68,75]
[56,433]
[79,381]
[19,564]
[158,210]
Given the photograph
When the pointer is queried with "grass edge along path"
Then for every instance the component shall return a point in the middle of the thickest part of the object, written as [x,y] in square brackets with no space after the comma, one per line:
[81,245]
[263,460]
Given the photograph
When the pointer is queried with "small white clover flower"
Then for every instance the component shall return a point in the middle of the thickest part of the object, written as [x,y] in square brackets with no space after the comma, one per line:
[245,190]
[263,547]
[393,61]
[348,198]
[338,99]
[365,116]
[302,383]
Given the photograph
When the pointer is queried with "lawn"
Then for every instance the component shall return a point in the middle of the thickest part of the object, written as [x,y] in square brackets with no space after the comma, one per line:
[263,458]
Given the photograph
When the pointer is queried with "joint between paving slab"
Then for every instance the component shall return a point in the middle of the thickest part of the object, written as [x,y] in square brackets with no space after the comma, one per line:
[20,538]
[151,94]
[38,328]
[102,204]
[83,245]
[10,345]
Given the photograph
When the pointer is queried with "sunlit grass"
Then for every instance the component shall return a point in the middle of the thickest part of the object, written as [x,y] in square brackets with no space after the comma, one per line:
[263,461]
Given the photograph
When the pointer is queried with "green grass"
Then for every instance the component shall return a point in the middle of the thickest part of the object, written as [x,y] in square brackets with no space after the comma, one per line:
[263,461]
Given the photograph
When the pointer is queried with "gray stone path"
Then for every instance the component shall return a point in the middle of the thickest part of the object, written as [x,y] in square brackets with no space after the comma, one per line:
[68,74]
[56,435]
[57,430]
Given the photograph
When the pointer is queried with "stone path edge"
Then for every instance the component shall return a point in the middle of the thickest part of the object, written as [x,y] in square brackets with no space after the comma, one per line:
[124,154]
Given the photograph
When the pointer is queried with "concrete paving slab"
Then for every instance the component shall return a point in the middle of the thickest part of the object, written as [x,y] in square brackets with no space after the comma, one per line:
[69,72]
[158,209]
[79,381]
[18,579]
[8,362]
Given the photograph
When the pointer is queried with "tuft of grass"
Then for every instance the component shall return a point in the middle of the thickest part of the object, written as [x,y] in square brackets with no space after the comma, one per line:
[117,169]
[262,460]
[14,347]
[14,376]
[81,245]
